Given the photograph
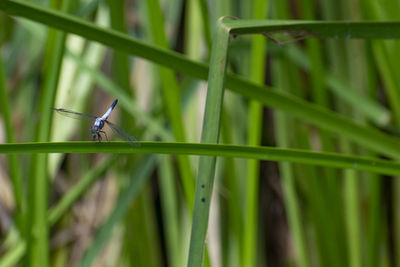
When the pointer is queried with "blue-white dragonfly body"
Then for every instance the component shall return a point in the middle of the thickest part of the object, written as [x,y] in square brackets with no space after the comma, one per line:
[97,129]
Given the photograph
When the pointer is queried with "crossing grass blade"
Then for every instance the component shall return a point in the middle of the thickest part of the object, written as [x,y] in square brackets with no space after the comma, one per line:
[333,160]
[38,246]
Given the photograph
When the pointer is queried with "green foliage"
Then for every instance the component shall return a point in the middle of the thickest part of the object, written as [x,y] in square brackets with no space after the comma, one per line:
[317,144]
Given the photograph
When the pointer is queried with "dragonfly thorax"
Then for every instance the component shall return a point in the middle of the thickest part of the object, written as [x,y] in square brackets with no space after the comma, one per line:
[97,126]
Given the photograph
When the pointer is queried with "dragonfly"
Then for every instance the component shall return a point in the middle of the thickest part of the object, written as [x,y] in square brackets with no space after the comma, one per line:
[97,129]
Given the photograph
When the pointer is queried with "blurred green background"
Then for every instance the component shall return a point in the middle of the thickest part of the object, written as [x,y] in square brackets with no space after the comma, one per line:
[136,210]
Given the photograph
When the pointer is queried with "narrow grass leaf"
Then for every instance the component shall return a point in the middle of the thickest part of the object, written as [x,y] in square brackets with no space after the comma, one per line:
[74,193]
[13,255]
[13,163]
[210,134]
[38,246]
[255,123]
[171,97]
[139,177]
[333,160]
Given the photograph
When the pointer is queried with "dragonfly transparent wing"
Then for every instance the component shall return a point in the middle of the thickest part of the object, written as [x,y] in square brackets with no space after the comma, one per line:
[124,134]
[73,114]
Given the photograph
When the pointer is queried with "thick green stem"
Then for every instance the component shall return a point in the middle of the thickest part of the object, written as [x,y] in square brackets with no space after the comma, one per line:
[210,134]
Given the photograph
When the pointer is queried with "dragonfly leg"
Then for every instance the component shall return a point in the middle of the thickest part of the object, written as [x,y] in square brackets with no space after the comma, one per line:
[104,134]
[99,137]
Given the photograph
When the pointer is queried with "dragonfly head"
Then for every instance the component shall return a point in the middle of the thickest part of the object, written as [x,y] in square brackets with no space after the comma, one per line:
[94,129]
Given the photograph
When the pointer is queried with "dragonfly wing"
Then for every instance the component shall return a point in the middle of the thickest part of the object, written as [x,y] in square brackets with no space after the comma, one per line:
[124,134]
[73,114]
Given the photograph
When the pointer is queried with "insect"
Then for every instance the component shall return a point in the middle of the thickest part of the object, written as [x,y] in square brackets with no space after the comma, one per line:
[99,122]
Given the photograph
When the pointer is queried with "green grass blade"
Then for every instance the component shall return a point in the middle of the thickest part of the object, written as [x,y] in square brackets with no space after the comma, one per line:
[171,97]
[292,206]
[234,215]
[14,166]
[141,220]
[38,242]
[332,29]
[352,213]
[262,153]
[374,229]
[327,120]
[55,213]
[120,62]
[107,37]
[389,78]
[210,134]
[283,134]
[170,210]
[13,256]
[255,122]
[138,179]
[385,55]
[193,31]
[368,106]
[324,192]
[206,22]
